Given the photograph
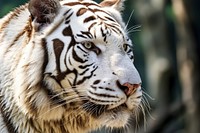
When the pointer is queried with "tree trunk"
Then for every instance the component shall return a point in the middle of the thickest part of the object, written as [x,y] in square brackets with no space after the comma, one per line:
[188,59]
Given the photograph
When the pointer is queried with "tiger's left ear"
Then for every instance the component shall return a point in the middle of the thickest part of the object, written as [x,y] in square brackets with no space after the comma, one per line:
[43,11]
[116,4]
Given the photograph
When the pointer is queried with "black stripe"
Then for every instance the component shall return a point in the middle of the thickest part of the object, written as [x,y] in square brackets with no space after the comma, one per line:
[80,35]
[88,34]
[88,19]
[76,76]
[92,25]
[46,59]
[99,10]
[108,89]
[67,12]
[83,67]
[114,28]
[81,81]
[103,35]
[132,57]
[76,57]
[103,95]
[109,18]
[84,71]
[138,97]
[53,95]
[94,87]
[58,46]
[96,82]
[102,101]
[81,49]
[129,51]
[67,18]
[81,3]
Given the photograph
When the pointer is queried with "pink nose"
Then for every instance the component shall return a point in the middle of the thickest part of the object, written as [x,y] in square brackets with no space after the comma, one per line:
[130,88]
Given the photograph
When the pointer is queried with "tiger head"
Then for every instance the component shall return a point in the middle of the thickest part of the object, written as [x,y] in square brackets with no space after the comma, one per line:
[86,61]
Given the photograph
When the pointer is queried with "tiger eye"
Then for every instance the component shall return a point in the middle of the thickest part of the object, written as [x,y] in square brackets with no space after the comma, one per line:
[88,45]
[125,46]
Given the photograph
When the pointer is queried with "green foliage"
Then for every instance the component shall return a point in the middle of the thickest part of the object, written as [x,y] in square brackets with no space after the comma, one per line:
[8,5]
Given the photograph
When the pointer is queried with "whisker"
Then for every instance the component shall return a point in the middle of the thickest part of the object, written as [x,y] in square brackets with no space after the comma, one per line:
[90,108]
[144,117]
[65,92]
[134,27]
[148,95]
[146,103]
[129,20]
[148,110]
[74,99]
[137,114]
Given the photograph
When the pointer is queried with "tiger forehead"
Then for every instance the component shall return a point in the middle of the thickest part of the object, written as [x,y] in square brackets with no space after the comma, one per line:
[87,4]
[98,23]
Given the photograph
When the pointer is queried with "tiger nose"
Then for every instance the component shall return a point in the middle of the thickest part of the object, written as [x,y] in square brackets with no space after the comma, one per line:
[128,88]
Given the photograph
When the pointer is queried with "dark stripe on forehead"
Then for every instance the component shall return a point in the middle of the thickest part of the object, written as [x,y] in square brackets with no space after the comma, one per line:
[88,34]
[67,12]
[109,18]
[81,3]
[67,19]
[100,10]
[92,25]
[81,11]
[88,19]
[114,28]
[73,3]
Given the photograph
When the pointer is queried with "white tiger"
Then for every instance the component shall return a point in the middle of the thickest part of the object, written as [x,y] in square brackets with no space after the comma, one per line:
[66,67]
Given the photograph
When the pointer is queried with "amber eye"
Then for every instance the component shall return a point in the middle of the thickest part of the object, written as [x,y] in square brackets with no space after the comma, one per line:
[88,45]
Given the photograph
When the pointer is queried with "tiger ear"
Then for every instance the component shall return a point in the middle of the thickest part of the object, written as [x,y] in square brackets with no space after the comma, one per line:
[43,11]
[116,4]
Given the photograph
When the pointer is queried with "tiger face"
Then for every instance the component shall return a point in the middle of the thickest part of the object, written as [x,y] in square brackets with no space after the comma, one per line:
[89,50]
[73,59]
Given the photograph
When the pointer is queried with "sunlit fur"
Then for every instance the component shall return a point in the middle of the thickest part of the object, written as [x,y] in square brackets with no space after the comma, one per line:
[63,71]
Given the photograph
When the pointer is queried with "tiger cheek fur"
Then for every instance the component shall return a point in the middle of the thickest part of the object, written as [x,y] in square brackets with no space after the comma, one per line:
[66,66]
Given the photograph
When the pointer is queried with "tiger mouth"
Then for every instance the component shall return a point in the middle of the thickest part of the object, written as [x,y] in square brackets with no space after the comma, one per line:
[97,110]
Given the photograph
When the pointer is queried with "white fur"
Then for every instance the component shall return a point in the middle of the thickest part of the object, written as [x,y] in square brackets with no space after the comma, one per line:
[21,72]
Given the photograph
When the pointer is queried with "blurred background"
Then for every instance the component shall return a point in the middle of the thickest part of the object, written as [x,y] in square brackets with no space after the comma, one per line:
[166,38]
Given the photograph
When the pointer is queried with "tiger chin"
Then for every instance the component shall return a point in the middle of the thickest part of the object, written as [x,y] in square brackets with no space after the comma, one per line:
[66,67]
